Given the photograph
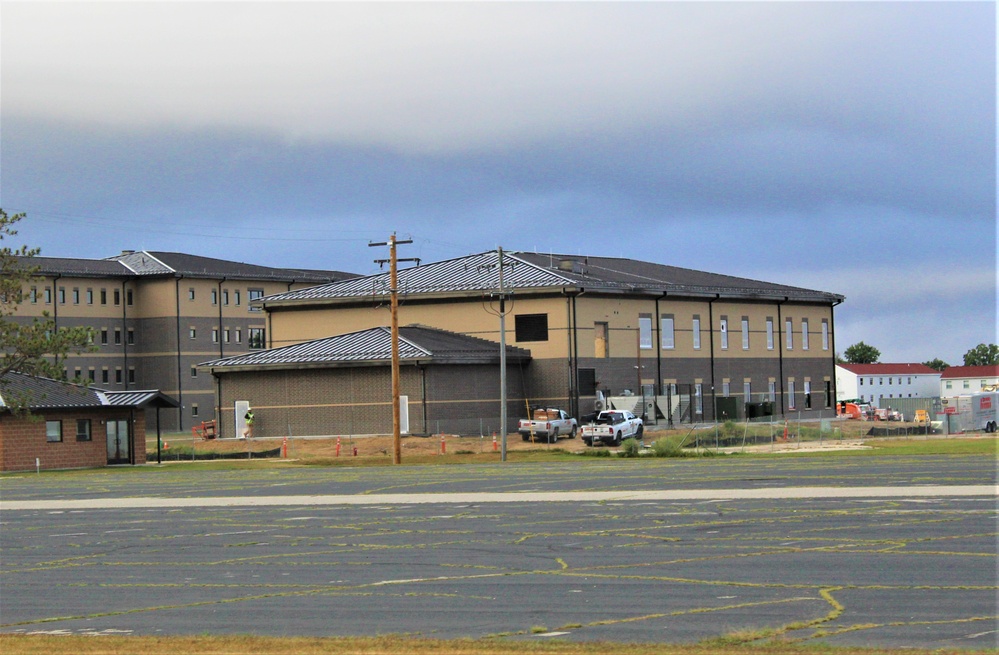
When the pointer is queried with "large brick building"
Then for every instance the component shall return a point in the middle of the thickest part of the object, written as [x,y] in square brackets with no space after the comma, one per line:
[693,345]
[156,315]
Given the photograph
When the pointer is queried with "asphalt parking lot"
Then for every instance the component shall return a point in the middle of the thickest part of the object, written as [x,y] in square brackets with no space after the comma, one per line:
[908,559]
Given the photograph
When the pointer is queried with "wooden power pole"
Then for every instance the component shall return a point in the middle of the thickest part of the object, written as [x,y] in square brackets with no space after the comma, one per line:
[393,262]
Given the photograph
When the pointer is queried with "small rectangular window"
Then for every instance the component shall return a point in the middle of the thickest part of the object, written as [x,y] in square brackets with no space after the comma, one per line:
[828,385]
[130,335]
[745,333]
[698,398]
[117,336]
[236,297]
[215,297]
[92,375]
[790,394]
[33,295]
[254,294]
[772,391]
[48,296]
[76,295]
[215,335]
[104,296]
[723,329]
[225,297]
[645,331]
[104,376]
[668,334]
[83,429]
[192,333]
[825,334]
[770,333]
[696,328]
[531,327]
[225,335]
[117,297]
[804,334]
[257,339]
[194,409]
[194,371]
[726,389]
[90,296]
[747,396]
[104,336]
[789,333]
[131,375]
[190,293]
[62,295]
[128,297]
[239,335]
[53,431]
[117,375]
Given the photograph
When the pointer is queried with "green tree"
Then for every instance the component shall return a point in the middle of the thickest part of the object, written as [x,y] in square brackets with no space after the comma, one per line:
[861,353]
[937,364]
[37,347]
[982,355]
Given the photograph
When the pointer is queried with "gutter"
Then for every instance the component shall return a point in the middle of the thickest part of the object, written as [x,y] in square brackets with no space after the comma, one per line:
[781,343]
[180,384]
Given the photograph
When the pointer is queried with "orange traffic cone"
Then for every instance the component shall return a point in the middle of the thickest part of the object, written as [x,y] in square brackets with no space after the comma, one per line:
[443,446]
[495,445]
[338,446]
[284,448]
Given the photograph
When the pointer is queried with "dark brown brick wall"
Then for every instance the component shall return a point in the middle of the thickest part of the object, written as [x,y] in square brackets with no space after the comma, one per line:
[22,439]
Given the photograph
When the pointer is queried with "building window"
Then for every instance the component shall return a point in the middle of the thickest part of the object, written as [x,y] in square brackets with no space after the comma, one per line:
[254,294]
[215,335]
[190,293]
[90,296]
[587,380]
[192,333]
[808,394]
[225,335]
[128,297]
[194,409]
[790,394]
[772,391]
[117,375]
[131,375]
[104,296]
[724,333]
[48,296]
[697,332]
[104,376]
[804,334]
[531,327]
[645,331]
[77,373]
[966,384]
[117,297]
[239,335]
[225,297]
[825,334]
[215,296]
[698,398]
[83,429]
[194,371]
[828,394]
[668,334]
[601,345]
[130,336]
[947,384]
[76,295]
[745,333]
[861,381]
[53,431]
[789,330]
[726,389]
[236,297]
[117,336]
[62,295]
[104,336]
[257,338]
[33,295]
[747,395]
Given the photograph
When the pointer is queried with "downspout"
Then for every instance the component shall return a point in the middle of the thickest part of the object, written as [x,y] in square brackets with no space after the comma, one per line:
[568,345]
[55,300]
[575,358]
[780,352]
[659,347]
[423,393]
[124,330]
[832,348]
[711,341]
[218,405]
[220,332]
[180,384]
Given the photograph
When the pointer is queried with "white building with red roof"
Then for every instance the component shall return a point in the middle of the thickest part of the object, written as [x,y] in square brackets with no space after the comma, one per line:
[872,382]
[966,380]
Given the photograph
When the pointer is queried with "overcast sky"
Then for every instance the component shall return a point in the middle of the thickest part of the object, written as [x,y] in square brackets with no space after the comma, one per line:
[846,147]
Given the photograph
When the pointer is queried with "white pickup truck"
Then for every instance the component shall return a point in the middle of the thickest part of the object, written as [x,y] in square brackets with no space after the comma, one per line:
[611,427]
[548,424]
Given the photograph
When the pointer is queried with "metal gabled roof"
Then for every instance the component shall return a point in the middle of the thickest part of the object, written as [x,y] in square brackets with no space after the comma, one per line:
[548,272]
[475,273]
[139,399]
[45,393]
[372,346]
[145,262]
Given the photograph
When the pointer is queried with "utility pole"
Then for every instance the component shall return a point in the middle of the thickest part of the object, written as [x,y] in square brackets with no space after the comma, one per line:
[502,320]
[393,262]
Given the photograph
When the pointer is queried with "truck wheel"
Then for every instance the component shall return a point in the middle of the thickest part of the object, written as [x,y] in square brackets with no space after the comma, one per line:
[588,442]
[526,437]
[553,436]
[572,435]
[617,438]
[641,429]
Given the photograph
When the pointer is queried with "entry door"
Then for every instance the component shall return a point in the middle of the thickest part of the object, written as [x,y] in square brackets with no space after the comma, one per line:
[118,442]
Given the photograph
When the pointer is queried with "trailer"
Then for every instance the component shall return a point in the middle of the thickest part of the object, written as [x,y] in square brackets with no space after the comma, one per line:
[983,410]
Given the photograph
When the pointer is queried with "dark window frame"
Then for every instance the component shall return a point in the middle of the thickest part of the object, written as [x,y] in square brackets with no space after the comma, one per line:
[530,327]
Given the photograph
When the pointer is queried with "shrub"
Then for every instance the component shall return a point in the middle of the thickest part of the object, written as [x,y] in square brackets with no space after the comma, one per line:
[667,447]
[630,447]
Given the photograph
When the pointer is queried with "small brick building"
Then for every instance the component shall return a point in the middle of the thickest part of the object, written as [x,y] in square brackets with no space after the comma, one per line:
[72,426]
[343,385]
